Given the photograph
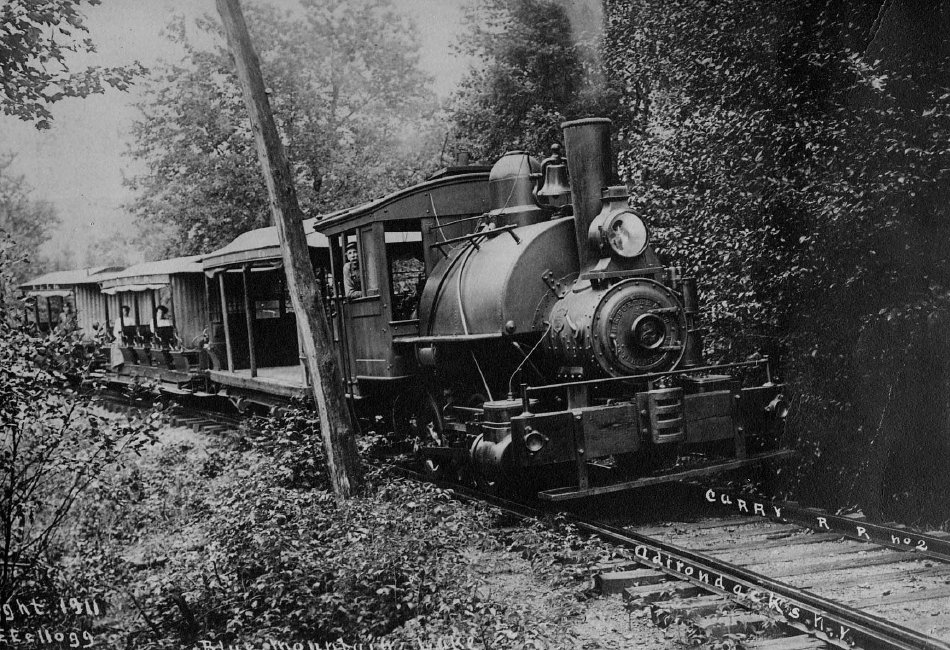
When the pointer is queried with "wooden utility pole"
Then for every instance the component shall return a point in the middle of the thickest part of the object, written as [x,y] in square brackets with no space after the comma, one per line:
[336,425]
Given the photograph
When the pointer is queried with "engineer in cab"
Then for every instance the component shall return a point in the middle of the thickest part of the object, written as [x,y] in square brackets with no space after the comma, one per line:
[352,280]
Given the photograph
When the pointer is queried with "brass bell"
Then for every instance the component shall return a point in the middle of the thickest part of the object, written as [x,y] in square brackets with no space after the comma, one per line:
[555,191]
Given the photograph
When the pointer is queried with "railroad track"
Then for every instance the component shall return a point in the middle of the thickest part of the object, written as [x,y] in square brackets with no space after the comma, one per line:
[812,580]
[804,577]
[197,419]
[846,593]
[200,422]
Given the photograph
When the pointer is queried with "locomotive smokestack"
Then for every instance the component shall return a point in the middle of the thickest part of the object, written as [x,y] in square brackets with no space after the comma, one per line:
[589,163]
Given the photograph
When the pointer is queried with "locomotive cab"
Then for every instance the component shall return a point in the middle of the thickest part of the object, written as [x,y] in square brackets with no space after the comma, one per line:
[400,238]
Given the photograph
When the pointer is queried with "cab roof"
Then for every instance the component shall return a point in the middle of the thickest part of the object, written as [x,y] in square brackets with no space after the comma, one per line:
[415,202]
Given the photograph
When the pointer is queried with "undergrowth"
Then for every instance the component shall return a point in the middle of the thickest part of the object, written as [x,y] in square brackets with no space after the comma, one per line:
[243,542]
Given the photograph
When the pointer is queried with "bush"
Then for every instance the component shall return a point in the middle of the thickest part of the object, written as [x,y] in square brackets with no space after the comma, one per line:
[55,446]
[791,158]
[254,552]
[297,564]
[291,440]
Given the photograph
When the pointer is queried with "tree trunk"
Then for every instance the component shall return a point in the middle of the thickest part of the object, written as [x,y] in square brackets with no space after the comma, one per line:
[336,425]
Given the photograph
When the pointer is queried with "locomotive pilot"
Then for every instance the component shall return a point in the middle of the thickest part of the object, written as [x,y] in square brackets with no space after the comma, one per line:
[352,280]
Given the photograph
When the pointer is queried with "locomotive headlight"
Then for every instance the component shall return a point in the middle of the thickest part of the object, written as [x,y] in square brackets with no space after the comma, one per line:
[626,234]
[533,441]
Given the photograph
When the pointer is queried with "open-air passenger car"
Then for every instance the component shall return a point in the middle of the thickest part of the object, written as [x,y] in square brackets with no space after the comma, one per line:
[254,341]
[168,351]
[49,294]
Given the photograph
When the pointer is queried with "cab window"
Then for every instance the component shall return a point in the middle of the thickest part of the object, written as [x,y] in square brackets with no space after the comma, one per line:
[405,255]
[368,256]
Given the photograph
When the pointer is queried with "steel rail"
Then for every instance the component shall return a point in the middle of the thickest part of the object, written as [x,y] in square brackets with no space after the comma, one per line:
[829,621]
[832,622]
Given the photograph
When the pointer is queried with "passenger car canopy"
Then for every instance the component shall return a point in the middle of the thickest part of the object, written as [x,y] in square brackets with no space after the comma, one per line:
[59,283]
[149,276]
[259,247]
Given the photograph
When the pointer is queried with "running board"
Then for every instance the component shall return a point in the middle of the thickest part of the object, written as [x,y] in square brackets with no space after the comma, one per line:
[573,492]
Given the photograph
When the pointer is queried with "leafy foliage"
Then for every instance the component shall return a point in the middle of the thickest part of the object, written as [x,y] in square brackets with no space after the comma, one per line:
[116,249]
[53,446]
[292,440]
[26,222]
[241,542]
[791,157]
[341,100]
[800,155]
[533,72]
[35,42]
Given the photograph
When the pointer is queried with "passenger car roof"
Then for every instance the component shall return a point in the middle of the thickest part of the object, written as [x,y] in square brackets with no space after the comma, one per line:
[261,245]
[59,279]
[149,275]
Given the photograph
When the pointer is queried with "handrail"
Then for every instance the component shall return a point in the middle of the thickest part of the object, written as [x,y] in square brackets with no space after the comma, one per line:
[440,226]
[481,233]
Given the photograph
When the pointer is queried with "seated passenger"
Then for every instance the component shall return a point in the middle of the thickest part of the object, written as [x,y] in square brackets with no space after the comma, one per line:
[122,327]
[162,327]
[161,317]
[118,335]
[67,319]
[352,280]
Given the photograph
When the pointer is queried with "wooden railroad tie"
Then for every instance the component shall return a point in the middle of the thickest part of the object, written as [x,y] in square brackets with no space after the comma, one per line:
[214,428]
[718,625]
[615,582]
[662,613]
[669,601]
[644,595]
[797,642]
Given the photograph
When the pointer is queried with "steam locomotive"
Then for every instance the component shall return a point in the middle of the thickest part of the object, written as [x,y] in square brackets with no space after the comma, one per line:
[550,338]
[516,317]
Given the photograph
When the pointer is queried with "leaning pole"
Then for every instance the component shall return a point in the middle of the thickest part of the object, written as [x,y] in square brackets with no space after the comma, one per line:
[336,425]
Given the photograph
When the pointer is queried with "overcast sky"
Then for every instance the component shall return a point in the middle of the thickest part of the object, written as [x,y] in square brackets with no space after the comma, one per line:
[78,164]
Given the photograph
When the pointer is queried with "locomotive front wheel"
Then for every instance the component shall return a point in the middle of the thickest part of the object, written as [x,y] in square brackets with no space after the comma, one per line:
[433,469]
[430,432]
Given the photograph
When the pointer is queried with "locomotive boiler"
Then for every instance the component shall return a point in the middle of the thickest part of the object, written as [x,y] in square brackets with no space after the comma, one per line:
[556,343]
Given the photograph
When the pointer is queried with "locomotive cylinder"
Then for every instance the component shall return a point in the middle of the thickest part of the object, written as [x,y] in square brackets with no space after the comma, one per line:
[490,452]
[589,163]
